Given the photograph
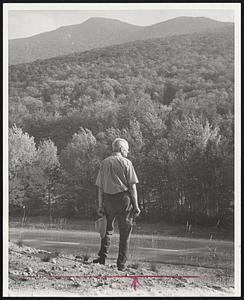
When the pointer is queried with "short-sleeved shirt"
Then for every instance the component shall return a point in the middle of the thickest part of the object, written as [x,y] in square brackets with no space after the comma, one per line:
[116,174]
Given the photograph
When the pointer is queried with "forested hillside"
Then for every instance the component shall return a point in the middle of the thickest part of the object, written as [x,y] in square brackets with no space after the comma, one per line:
[171,98]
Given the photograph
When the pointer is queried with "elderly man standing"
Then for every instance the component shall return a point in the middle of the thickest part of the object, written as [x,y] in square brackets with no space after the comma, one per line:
[117,198]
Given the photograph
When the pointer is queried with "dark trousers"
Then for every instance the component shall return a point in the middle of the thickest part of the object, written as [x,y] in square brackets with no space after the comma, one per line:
[117,206]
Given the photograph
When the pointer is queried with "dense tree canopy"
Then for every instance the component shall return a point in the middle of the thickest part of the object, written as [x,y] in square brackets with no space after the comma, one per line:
[171,98]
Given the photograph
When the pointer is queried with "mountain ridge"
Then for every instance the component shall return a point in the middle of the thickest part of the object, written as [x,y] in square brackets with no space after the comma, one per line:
[100,32]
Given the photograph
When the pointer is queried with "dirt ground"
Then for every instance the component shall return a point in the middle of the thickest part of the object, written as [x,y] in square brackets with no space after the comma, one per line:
[34,272]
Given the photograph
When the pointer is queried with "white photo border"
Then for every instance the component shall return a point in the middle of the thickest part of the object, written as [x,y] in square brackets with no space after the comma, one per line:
[236,7]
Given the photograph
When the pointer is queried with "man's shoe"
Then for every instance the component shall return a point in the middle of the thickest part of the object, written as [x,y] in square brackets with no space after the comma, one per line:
[121,268]
[100,260]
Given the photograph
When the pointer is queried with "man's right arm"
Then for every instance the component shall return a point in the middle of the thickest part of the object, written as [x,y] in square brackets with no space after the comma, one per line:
[133,192]
[100,210]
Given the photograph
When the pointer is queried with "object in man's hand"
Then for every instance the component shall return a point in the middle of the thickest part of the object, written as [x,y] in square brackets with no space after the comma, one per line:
[132,217]
[101,225]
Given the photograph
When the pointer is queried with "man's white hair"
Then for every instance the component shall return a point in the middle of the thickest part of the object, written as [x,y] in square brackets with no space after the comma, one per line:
[118,143]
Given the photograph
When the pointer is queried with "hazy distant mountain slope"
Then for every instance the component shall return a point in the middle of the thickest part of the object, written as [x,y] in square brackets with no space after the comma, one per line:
[100,32]
[181,25]
[95,32]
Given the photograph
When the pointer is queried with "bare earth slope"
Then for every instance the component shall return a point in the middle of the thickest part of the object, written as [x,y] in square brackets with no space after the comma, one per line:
[34,272]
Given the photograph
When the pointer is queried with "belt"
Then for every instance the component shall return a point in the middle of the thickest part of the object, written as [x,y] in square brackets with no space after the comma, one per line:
[120,193]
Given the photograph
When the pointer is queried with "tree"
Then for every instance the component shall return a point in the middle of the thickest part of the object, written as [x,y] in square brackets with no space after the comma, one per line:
[193,165]
[47,161]
[22,155]
[80,165]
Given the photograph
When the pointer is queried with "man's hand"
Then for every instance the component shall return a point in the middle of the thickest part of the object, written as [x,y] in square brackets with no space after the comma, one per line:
[136,211]
[100,211]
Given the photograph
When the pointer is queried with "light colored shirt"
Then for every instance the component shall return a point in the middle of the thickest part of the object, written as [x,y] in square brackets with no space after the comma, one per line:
[116,174]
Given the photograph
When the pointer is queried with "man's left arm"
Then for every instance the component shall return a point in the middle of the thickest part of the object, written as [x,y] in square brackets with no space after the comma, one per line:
[132,181]
[133,192]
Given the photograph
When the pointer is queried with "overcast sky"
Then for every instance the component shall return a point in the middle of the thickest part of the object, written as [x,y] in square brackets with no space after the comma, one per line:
[24,23]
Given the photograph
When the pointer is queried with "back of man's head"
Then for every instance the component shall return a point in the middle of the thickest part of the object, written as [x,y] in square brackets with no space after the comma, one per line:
[118,143]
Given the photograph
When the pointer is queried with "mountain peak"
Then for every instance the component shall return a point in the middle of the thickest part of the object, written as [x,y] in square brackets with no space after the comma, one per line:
[93,20]
[189,20]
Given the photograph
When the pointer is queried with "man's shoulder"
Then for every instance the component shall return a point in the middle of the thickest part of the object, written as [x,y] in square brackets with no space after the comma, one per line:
[107,159]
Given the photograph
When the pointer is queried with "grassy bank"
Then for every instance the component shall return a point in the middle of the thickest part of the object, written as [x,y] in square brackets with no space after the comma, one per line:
[42,222]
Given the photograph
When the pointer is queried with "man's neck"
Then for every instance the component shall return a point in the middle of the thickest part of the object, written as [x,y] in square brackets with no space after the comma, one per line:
[117,153]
